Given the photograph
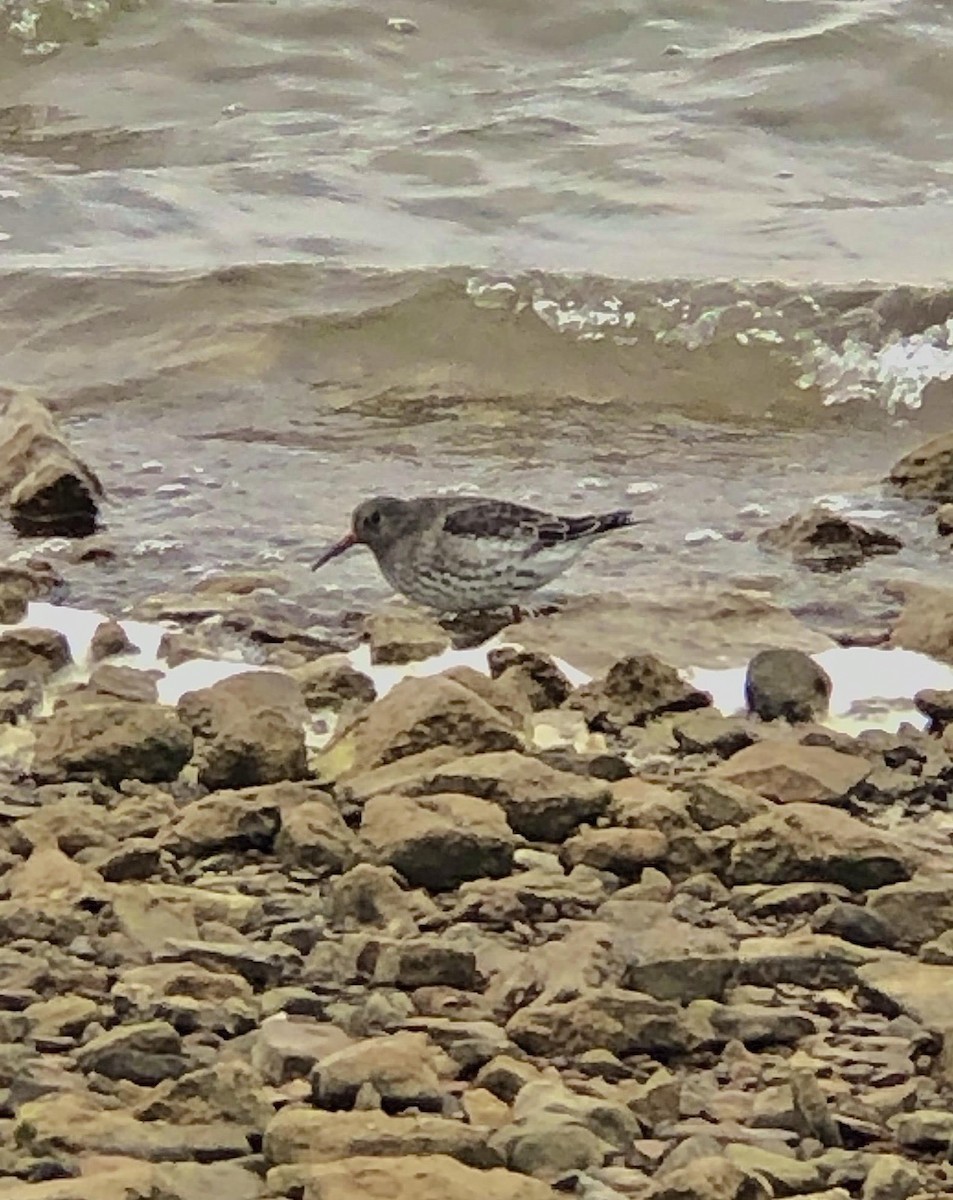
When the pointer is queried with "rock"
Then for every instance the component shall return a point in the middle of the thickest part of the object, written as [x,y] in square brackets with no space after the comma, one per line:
[45,489]
[439,841]
[422,1177]
[548,1144]
[852,923]
[927,471]
[926,620]
[21,694]
[417,715]
[916,911]
[623,1022]
[624,852]
[788,772]
[710,1178]
[540,802]
[297,1135]
[937,706]
[785,1175]
[925,1129]
[891,1178]
[124,683]
[634,691]
[145,1053]
[823,541]
[369,895]
[249,728]
[670,959]
[263,964]
[944,520]
[426,962]
[812,1109]
[111,741]
[813,842]
[314,837]
[786,685]
[403,635]
[331,682]
[714,802]
[108,1177]
[288,1047]
[536,676]
[109,641]
[403,1068]
[706,731]
[227,821]
[44,651]
[808,960]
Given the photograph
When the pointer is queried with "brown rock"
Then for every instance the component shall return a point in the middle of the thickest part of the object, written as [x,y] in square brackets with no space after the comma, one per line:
[915,911]
[714,802]
[788,772]
[710,1178]
[314,836]
[297,1135]
[426,962]
[670,959]
[145,1053]
[403,1068]
[124,683]
[926,620]
[228,820]
[288,1047]
[541,803]
[633,692]
[417,715]
[614,1019]
[331,682]
[823,541]
[813,842]
[892,1178]
[422,1177]
[536,676]
[45,489]
[439,841]
[44,651]
[403,635]
[189,997]
[250,729]
[369,895]
[624,852]
[109,641]
[927,471]
[111,741]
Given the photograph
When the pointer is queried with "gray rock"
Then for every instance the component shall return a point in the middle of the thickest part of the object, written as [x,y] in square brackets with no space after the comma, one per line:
[786,685]
[144,1053]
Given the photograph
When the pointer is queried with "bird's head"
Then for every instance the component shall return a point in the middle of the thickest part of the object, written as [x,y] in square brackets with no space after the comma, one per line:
[374,523]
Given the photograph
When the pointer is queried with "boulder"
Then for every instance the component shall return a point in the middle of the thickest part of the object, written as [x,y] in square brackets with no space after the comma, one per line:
[614,1019]
[813,842]
[788,772]
[249,729]
[824,541]
[46,490]
[421,1177]
[417,715]
[926,472]
[403,1068]
[111,741]
[439,841]
[314,837]
[144,1053]
[624,852]
[227,821]
[634,691]
[786,685]
[916,911]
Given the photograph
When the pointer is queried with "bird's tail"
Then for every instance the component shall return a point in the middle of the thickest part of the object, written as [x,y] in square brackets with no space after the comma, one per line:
[568,529]
[622,518]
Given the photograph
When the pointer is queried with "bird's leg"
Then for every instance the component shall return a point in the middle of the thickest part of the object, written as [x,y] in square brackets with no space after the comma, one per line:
[517,613]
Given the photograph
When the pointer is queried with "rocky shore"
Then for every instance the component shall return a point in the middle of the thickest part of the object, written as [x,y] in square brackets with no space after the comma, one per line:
[503,936]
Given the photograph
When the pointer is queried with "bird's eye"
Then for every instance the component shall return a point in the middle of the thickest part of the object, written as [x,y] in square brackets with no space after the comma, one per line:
[374,518]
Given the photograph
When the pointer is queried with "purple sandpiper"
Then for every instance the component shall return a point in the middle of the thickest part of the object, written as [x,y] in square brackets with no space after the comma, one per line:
[462,554]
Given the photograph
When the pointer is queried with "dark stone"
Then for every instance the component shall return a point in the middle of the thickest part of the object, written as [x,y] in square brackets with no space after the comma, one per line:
[823,541]
[786,685]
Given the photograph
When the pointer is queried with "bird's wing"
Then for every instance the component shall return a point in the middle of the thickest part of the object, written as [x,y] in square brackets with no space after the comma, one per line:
[529,527]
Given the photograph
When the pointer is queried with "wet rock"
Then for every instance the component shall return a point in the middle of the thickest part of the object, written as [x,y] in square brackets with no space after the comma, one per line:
[313,836]
[624,852]
[111,741]
[109,641]
[46,490]
[540,802]
[417,715]
[786,685]
[622,1021]
[404,635]
[439,841]
[249,730]
[823,541]
[813,842]
[789,772]
[145,1053]
[297,1135]
[331,682]
[43,651]
[927,471]
[403,1068]
[422,1177]
[535,676]
[124,683]
[634,691]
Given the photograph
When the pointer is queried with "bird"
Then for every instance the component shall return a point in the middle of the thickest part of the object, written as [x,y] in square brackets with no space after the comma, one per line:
[458,554]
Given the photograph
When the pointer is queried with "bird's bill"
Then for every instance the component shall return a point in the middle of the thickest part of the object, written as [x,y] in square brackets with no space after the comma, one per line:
[345,543]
